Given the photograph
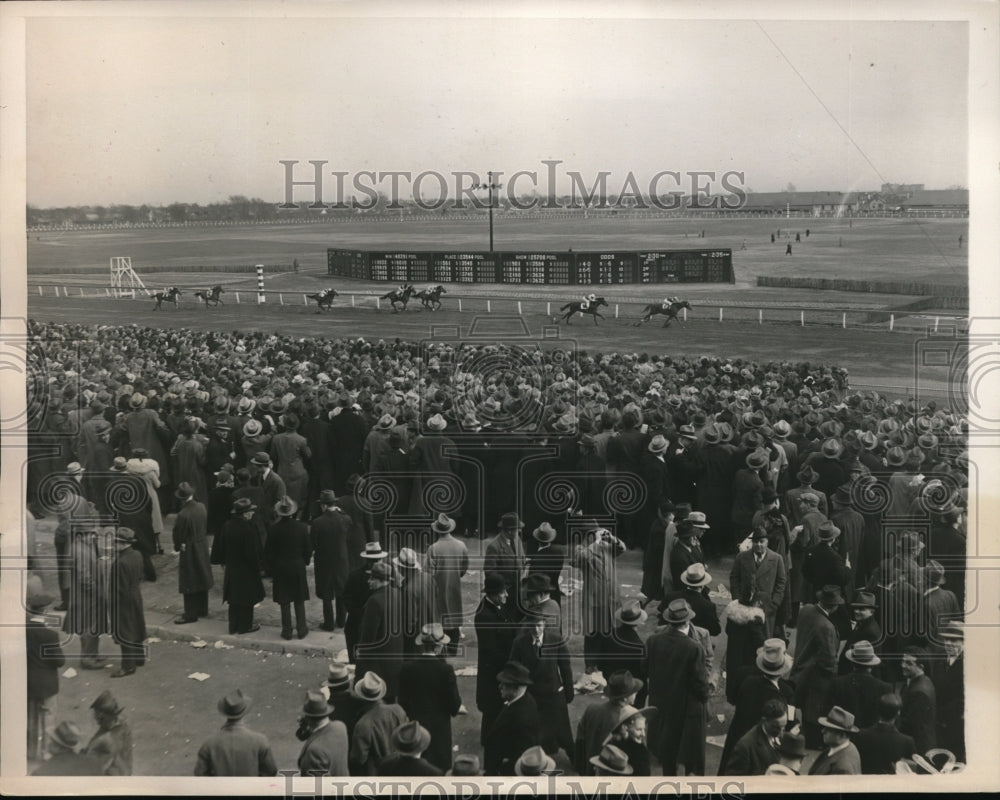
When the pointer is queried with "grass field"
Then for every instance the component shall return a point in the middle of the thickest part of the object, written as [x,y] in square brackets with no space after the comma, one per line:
[882,249]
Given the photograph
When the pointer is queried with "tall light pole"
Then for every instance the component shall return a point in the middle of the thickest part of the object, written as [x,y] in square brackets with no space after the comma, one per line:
[490,186]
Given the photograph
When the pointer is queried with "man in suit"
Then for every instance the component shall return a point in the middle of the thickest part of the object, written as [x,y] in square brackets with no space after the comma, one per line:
[430,460]
[447,562]
[194,568]
[543,650]
[347,434]
[696,580]
[758,578]
[270,484]
[679,689]
[824,566]
[418,596]
[816,647]
[839,756]
[428,693]
[865,628]
[537,592]
[329,533]
[940,604]
[494,634]
[755,691]
[859,691]
[410,743]
[624,649]
[380,637]
[687,546]
[600,719]
[949,685]
[288,552]
[545,557]
[757,749]
[357,590]
[325,748]
[505,556]
[516,726]
[918,717]
[881,745]
[653,472]
[371,740]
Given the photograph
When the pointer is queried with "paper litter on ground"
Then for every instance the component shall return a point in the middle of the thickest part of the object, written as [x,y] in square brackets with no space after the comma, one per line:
[588,684]
[221,645]
[200,676]
[69,673]
[467,671]
[199,643]
[152,640]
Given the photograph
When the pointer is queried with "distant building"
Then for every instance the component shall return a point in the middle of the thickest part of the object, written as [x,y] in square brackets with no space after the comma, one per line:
[943,199]
[815,203]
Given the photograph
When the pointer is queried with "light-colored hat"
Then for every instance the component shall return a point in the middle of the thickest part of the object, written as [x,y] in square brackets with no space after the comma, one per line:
[437,423]
[658,444]
[432,634]
[839,720]
[612,759]
[407,559]
[863,653]
[371,687]
[373,550]
[773,659]
[252,427]
[443,524]
[696,575]
[534,761]
[544,533]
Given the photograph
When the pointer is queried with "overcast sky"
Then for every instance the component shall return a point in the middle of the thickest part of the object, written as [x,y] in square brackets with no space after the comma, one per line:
[142,111]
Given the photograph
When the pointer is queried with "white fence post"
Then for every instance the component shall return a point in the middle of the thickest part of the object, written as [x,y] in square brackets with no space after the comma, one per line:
[892,322]
[305,302]
[459,305]
[936,321]
[548,309]
[802,318]
[720,313]
[685,311]
[489,307]
[281,298]
[237,298]
[65,292]
[519,309]
[760,316]
[378,304]
[352,301]
[81,291]
[39,290]
[616,310]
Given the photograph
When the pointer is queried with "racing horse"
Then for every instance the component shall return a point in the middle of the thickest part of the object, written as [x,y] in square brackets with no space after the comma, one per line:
[669,308]
[324,299]
[401,295]
[212,297]
[589,305]
[166,296]
[431,298]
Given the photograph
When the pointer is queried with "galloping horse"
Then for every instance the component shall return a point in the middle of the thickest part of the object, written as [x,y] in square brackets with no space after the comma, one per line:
[212,297]
[431,298]
[587,306]
[167,295]
[401,295]
[324,299]
[669,310]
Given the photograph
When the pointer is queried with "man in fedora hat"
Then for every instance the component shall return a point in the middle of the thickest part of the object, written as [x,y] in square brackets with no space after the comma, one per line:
[44,657]
[430,462]
[624,454]
[758,578]
[825,566]
[679,688]
[495,632]
[447,562]
[791,753]
[235,751]
[949,688]
[337,689]
[64,759]
[428,693]
[535,761]
[864,627]
[806,476]
[764,680]
[417,592]
[287,552]
[380,645]
[270,484]
[128,620]
[409,743]
[147,431]
[653,472]
[516,726]
[748,487]
[881,745]
[839,755]
[376,445]
[544,651]
[758,748]
[238,549]
[611,761]
[828,465]
[362,521]
[111,745]
[600,719]
[624,649]
[918,717]
[816,646]
[465,765]
[940,604]
[325,743]
[505,556]
[715,471]
[659,542]
[194,571]
[357,591]
[546,557]
[600,592]
[87,615]
[695,581]
[537,590]
[687,548]
[859,691]
[371,740]
[329,533]
[852,532]
[802,537]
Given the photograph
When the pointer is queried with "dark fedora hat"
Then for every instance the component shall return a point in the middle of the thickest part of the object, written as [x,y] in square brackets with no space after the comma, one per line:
[839,719]
[316,705]
[107,704]
[327,497]
[863,600]
[494,583]
[536,583]
[792,745]
[830,595]
[242,505]
[234,705]
[678,612]
[410,738]
[621,684]
[184,491]
[514,672]
[631,614]
[510,521]
[807,475]
[286,507]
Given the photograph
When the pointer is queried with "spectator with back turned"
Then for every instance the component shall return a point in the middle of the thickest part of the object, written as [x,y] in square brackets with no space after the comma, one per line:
[235,751]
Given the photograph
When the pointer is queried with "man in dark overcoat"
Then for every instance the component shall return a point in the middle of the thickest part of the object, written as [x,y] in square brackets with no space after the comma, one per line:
[88,611]
[356,594]
[859,691]
[816,645]
[624,648]
[494,636]
[758,579]
[194,571]
[757,749]
[380,638]
[287,553]
[428,693]
[545,653]
[516,727]
[362,531]
[317,435]
[330,532]
[235,751]
[949,687]
[714,470]
[505,556]
[128,619]
[238,548]
[347,435]
[678,687]
[430,461]
[881,745]
[270,483]
[918,717]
